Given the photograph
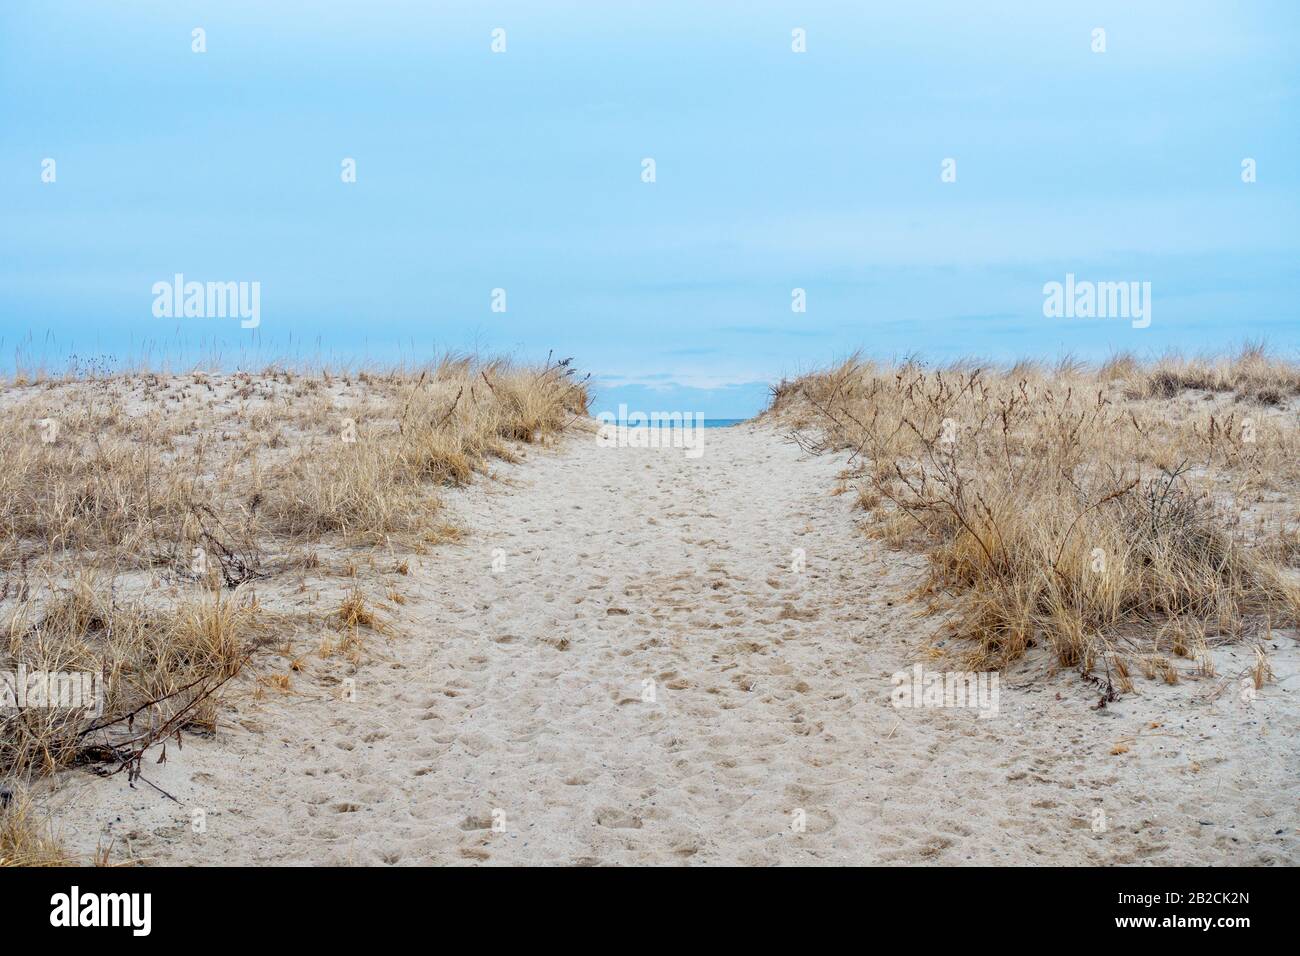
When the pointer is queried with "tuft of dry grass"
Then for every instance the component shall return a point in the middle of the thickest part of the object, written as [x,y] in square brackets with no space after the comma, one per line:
[1095,512]
[1253,375]
[157,668]
[27,839]
[354,613]
[455,421]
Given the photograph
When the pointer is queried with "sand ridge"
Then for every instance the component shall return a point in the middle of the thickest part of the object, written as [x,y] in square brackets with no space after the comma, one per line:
[622,664]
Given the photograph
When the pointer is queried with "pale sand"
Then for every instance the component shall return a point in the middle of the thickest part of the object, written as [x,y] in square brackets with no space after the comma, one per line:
[521,691]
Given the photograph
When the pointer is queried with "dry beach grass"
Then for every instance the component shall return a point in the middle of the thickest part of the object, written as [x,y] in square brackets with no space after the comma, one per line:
[147,519]
[1135,523]
[1115,514]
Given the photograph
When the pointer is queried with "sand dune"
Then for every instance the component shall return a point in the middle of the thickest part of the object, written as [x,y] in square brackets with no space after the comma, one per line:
[508,719]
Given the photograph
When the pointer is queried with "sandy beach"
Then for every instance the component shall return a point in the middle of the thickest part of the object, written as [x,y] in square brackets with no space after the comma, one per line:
[636,656]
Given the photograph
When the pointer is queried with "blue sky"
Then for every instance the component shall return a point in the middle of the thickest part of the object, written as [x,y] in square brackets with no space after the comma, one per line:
[522,170]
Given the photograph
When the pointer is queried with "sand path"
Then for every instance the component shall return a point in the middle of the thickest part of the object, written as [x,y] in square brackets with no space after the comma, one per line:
[517,696]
